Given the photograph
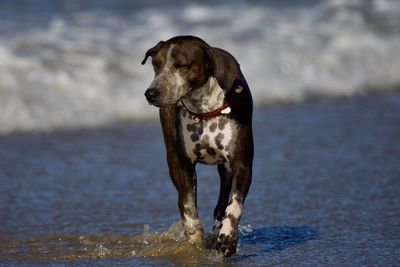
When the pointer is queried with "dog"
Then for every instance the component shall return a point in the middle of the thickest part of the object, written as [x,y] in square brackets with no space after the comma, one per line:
[205,109]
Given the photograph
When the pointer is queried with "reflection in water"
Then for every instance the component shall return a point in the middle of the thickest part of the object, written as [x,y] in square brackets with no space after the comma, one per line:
[279,237]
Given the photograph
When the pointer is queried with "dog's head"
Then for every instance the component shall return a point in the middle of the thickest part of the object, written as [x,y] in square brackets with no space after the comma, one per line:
[185,63]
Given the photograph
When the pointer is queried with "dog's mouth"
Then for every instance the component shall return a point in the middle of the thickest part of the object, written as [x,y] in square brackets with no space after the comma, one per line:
[155,98]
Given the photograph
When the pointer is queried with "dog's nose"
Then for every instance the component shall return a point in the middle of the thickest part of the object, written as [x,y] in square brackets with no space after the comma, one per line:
[152,94]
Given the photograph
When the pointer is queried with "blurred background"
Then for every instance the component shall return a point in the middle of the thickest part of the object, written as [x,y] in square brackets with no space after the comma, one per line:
[325,187]
[74,63]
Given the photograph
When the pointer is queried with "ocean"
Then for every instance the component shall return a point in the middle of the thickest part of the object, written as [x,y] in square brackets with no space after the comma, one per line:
[70,64]
[325,192]
[83,175]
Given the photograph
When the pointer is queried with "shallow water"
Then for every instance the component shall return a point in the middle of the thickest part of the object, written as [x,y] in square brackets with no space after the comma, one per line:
[325,192]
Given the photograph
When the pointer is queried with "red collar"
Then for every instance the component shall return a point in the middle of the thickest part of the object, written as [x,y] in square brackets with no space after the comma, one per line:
[209,115]
[225,109]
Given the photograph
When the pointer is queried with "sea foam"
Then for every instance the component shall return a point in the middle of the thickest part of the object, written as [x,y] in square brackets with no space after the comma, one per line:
[82,68]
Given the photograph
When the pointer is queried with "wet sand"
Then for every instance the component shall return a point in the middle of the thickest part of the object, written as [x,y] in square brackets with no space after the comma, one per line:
[326,191]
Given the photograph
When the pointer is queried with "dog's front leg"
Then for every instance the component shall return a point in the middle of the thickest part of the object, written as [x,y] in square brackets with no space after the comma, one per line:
[184,178]
[183,175]
[187,202]
[228,234]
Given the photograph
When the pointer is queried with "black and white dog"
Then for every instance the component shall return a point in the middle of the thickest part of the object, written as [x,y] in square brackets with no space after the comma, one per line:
[206,116]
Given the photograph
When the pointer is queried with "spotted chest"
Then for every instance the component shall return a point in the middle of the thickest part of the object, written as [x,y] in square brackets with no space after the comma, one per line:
[208,141]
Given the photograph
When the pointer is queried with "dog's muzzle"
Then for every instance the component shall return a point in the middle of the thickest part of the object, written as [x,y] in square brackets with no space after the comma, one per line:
[152,95]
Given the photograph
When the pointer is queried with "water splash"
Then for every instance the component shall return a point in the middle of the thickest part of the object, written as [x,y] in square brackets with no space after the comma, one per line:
[170,245]
[102,251]
[245,230]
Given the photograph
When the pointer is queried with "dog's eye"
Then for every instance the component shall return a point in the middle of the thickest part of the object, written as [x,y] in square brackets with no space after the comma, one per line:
[181,65]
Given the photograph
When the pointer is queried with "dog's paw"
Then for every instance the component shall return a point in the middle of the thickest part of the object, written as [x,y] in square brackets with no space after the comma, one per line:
[194,232]
[226,245]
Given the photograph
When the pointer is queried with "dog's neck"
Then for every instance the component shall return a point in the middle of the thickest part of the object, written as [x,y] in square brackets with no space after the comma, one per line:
[206,98]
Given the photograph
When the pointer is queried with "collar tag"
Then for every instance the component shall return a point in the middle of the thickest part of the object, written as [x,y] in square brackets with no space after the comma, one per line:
[238,89]
[226,110]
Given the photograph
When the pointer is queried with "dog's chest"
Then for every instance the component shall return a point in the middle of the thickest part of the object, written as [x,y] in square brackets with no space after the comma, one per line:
[207,141]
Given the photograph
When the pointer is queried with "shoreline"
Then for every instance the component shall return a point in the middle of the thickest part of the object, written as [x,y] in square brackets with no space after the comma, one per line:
[312,99]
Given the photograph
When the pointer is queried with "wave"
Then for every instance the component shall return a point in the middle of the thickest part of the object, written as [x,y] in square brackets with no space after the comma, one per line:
[81,68]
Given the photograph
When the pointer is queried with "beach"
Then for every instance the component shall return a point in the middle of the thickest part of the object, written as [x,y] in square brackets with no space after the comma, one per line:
[325,191]
[83,175]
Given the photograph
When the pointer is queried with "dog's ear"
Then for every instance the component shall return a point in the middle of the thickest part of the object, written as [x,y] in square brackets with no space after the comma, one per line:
[224,66]
[152,51]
